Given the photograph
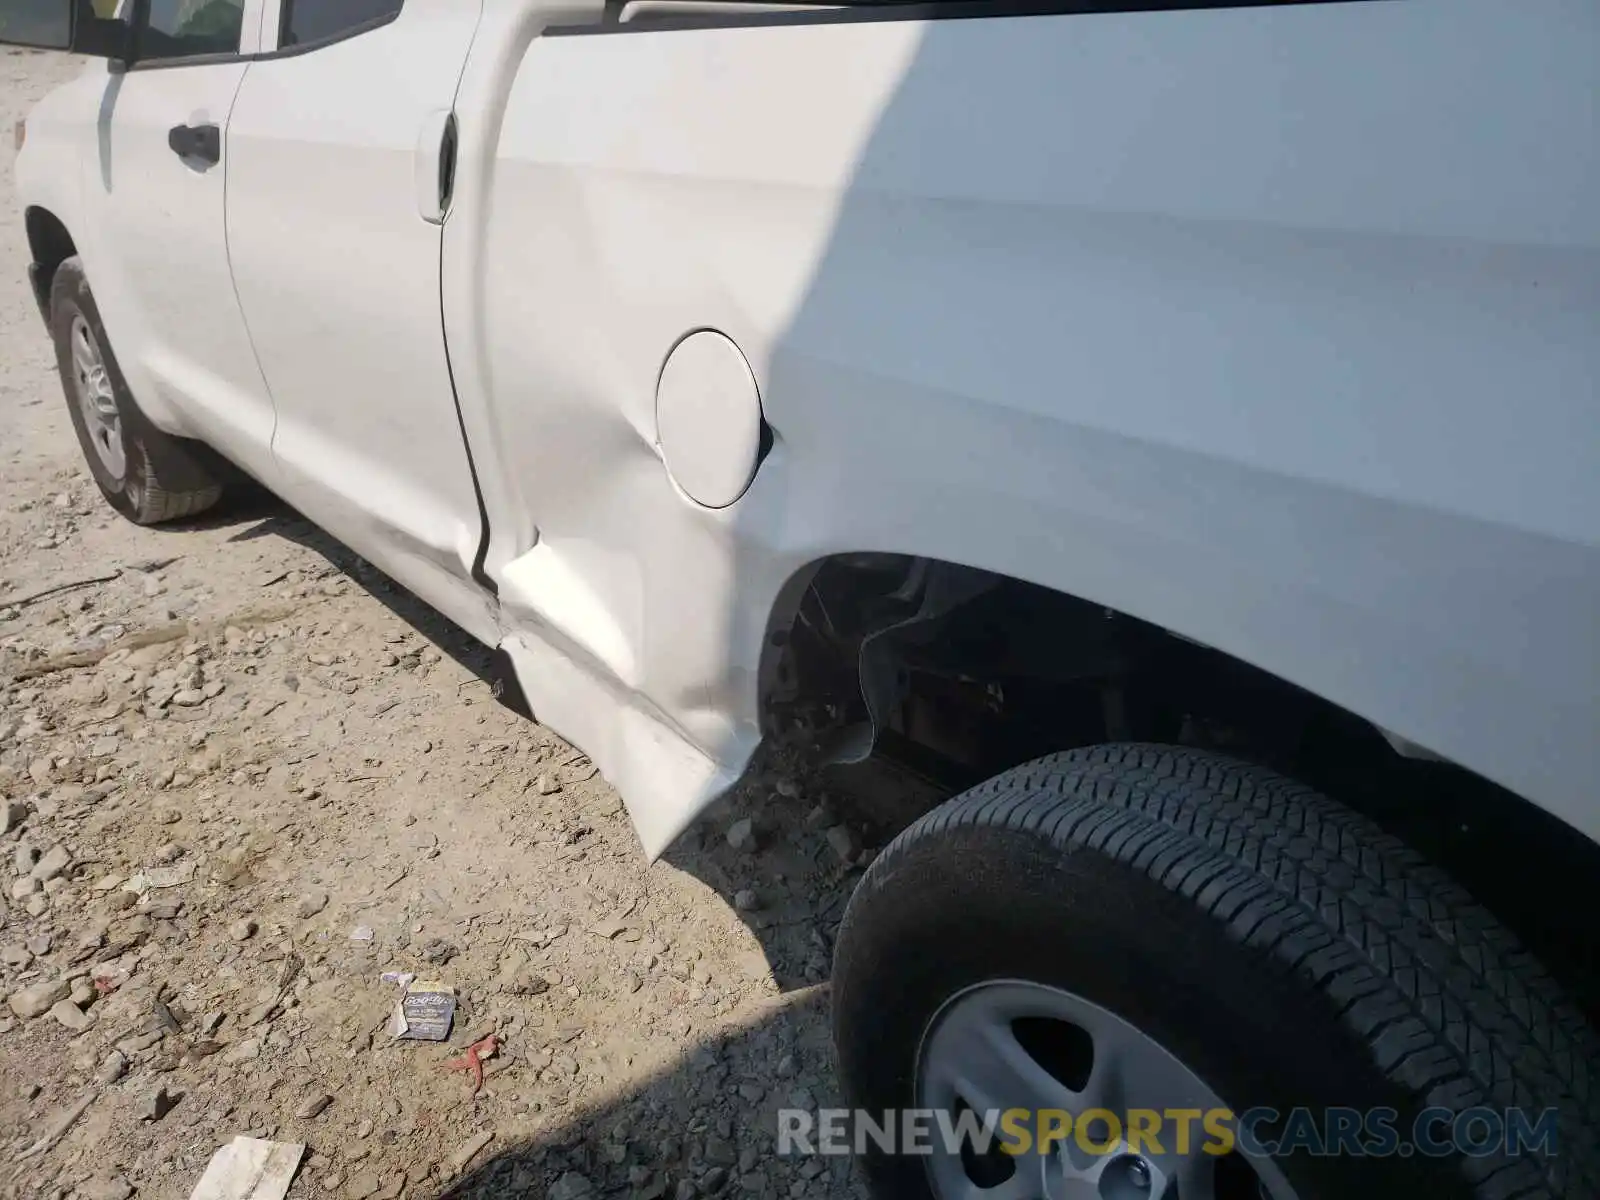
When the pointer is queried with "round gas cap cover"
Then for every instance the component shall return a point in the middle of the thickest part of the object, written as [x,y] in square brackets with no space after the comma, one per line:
[708,418]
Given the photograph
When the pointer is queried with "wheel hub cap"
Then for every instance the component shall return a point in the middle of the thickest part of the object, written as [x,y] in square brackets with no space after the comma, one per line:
[97,401]
[1117,1174]
[1014,1045]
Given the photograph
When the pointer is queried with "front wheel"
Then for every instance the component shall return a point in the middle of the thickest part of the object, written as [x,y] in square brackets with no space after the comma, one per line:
[1162,974]
[146,475]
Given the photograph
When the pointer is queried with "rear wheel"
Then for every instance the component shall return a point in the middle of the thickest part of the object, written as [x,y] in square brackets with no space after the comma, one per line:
[1148,931]
[147,475]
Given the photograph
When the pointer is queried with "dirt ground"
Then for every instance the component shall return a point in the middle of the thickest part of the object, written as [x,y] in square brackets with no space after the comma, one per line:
[243,776]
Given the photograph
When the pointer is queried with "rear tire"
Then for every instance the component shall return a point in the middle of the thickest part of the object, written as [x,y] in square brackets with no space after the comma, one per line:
[1281,947]
[147,475]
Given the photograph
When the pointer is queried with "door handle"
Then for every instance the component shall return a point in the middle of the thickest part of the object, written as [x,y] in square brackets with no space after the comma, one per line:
[196,141]
[436,165]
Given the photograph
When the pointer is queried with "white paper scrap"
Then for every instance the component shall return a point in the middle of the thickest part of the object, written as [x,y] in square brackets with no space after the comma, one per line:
[250,1169]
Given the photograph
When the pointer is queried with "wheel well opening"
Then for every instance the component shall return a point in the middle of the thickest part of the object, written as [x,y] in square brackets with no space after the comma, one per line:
[900,681]
[50,245]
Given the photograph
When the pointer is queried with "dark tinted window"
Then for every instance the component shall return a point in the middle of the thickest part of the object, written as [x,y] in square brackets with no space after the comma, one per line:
[46,23]
[318,20]
[180,28]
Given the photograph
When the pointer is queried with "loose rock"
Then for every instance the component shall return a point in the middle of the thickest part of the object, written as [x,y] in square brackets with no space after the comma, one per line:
[157,1104]
[102,1187]
[169,852]
[313,1106]
[438,951]
[844,842]
[470,1150]
[141,1043]
[37,999]
[12,814]
[71,1016]
[571,1186]
[742,835]
[112,1067]
[162,1019]
[241,1052]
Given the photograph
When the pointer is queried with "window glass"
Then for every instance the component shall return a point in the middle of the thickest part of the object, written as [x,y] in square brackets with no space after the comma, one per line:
[180,28]
[45,23]
[318,20]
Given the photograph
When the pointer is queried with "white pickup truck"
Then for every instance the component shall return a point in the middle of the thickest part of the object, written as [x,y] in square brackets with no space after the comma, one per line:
[1184,415]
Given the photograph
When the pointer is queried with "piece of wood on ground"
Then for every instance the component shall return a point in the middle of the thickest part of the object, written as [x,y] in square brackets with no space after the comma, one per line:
[68,586]
[58,1126]
[250,1169]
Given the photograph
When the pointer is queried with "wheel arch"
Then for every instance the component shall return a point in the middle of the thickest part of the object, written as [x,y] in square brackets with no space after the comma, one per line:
[1267,631]
[50,244]
[1522,858]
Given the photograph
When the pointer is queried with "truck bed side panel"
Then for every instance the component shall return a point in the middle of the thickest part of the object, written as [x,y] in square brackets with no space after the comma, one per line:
[1278,327]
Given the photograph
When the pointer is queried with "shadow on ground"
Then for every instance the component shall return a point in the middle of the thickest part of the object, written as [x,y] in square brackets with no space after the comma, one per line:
[708,1125]
[255,513]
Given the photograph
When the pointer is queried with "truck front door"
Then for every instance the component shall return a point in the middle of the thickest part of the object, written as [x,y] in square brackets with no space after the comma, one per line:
[154,241]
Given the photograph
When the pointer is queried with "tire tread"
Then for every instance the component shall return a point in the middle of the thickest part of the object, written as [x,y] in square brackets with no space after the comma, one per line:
[1448,1002]
[147,493]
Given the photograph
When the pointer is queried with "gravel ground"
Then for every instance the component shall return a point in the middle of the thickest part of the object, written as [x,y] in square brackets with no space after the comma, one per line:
[243,775]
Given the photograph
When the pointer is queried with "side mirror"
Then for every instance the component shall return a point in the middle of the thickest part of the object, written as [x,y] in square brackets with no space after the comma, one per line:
[71,25]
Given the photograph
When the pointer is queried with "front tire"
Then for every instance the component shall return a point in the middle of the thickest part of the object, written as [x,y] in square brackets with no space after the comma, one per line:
[146,475]
[1265,946]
